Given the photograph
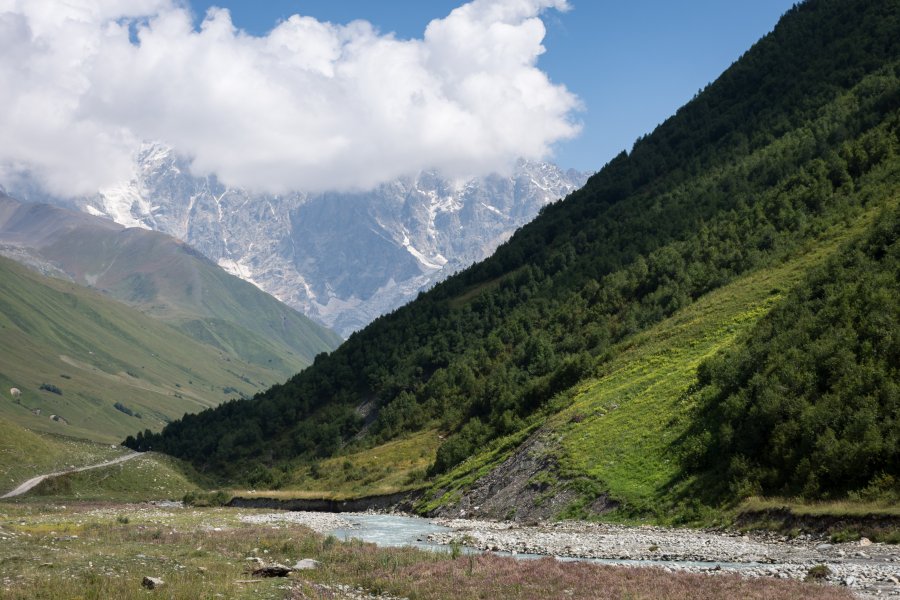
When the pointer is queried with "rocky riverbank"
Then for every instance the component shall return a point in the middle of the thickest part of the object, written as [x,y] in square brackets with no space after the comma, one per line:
[871,570]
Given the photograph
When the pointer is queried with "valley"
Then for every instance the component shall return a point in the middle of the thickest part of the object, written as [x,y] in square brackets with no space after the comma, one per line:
[678,377]
[90,353]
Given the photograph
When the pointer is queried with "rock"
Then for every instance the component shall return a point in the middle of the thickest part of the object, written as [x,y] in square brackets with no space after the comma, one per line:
[440,221]
[306,564]
[152,583]
[273,570]
[849,581]
[254,559]
[865,541]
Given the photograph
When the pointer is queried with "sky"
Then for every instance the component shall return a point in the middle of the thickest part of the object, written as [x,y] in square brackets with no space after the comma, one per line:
[343,95]
[632,64]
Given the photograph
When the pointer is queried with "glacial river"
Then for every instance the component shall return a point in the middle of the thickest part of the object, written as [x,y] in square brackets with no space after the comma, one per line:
[397,530]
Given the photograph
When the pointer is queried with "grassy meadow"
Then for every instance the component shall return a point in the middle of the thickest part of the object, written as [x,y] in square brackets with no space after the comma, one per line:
[76,354]
[150,476]
[396,466]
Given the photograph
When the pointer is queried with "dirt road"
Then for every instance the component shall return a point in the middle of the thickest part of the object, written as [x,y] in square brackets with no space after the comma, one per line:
[36,480]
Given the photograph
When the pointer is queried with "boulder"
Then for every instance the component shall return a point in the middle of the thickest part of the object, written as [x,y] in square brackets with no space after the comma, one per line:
[152,583]
[306,564]
[273,570]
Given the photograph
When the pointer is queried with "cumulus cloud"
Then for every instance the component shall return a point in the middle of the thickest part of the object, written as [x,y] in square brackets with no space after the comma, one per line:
[311,105]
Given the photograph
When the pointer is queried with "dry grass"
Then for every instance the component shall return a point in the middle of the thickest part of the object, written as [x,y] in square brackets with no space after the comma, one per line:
[836,508]
[493,577]
[99,551]
[395,466]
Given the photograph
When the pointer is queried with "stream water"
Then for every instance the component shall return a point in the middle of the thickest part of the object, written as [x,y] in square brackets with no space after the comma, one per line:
[396,530]
[390,530]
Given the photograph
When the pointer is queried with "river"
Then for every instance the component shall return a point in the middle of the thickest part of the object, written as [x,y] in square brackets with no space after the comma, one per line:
[866,567]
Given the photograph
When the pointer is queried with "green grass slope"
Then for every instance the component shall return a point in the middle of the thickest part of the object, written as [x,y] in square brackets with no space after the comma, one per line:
[97,352]
[626,429]
[25,454]
[149,477]
[170,281]
[624,432]
[808,404]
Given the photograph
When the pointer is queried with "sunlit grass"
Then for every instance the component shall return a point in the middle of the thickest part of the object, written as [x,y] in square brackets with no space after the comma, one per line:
[150,476]
[396,466]
[623,428]
[834,508]
[24,454]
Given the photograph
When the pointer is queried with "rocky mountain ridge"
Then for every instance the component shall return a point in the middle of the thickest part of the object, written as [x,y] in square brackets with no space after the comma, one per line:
[343,259]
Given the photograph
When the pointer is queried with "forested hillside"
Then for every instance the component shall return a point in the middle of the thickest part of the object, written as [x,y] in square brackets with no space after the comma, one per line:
[809,404]
[800,137]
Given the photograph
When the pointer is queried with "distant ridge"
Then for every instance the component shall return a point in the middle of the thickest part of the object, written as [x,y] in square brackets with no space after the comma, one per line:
[100,367]
[166,279]
[342,259]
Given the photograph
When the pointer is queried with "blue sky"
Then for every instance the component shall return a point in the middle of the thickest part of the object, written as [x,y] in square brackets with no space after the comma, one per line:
[631,63]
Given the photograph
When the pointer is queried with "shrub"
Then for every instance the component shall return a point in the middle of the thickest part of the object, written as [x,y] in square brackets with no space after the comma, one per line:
[124,409]
[817,573]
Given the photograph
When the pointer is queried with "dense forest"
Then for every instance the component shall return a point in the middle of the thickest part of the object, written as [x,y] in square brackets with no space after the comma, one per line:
[809,404]
[800,134]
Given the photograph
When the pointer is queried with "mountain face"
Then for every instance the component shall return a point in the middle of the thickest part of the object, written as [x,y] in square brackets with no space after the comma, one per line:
[164,278]
[340,258]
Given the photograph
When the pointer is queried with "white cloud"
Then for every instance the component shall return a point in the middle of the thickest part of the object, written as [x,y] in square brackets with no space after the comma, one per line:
[311,105]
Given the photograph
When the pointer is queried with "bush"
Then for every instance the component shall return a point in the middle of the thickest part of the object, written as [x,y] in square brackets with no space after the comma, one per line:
[124,409]
[817,573]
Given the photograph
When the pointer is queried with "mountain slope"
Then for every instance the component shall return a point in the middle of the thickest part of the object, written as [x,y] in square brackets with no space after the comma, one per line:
[340,258]
[808,404]
[25,454]
[77,355]
[166,279]
[623,425]
[799,138]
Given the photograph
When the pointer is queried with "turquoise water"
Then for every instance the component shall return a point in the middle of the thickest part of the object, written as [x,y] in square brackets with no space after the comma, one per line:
[396,530]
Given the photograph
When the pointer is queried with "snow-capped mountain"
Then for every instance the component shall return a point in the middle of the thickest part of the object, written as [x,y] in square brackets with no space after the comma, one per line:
[341,258]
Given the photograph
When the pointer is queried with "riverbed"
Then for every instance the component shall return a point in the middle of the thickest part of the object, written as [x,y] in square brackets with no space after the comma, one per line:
[871,570]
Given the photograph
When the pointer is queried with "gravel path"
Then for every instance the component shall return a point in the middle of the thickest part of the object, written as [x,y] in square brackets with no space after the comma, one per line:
[36,480]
